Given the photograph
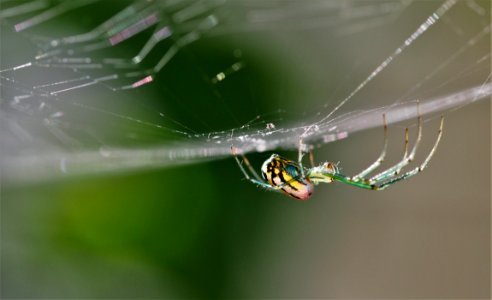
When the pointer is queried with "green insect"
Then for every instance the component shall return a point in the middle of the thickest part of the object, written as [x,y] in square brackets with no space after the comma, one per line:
[293,179]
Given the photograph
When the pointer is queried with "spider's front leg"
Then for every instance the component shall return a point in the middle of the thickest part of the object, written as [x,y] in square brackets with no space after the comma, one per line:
[383,185]
[379,160]
[390,176]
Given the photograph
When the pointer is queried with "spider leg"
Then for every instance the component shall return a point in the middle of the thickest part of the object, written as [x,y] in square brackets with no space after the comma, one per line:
[389,179]
[265,185]
[381,157]
[405,152]
[248,165]
[311,158]
[417,170]
[395,170]
[364,184]
[301,154]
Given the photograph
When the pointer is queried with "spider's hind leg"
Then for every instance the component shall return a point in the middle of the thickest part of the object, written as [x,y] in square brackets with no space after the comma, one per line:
[311,158]
[248,165]
[300,155]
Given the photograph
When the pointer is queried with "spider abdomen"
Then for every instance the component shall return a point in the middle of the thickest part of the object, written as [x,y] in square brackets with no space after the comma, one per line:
[286,176]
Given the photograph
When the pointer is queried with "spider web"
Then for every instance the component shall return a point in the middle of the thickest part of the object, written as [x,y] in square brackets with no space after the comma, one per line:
[90,86]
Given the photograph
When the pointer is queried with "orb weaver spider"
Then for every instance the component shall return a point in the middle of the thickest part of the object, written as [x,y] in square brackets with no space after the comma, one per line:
[295,180]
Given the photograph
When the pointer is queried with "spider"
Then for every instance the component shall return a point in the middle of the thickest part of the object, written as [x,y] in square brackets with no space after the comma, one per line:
[293,179]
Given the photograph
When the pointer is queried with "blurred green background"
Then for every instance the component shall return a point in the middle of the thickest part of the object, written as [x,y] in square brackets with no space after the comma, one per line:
[202,231]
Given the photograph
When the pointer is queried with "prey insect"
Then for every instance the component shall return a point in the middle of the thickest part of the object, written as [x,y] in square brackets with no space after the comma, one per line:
[293,179]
